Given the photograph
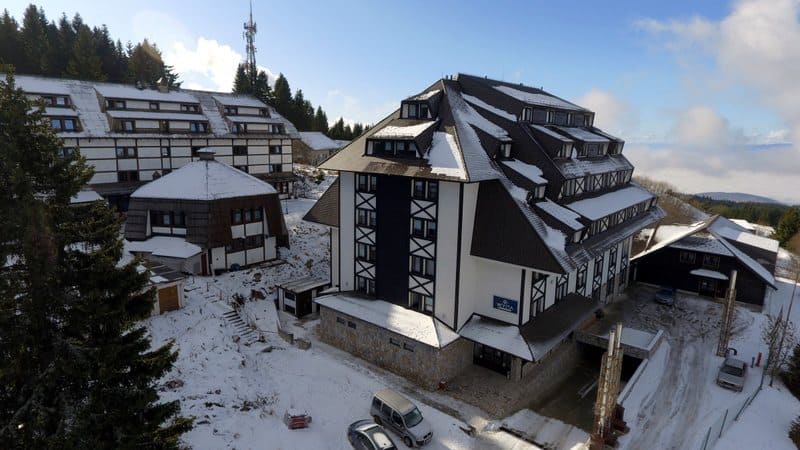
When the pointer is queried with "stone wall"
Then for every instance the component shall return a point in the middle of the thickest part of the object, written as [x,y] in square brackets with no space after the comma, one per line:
[423,364]
[539,379]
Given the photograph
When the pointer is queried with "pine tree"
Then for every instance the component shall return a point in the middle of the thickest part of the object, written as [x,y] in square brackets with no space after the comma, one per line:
[84,63]
[282,96]
[788,226]
[358,130]
[33,38]
[75,371]
[241,83]
[145,64]
[262,90]
[337,130]
[9,40]
[320,121]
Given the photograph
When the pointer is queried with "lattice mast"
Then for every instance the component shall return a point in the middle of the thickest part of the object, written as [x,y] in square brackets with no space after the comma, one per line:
[607,390]
[250,37]
[728,315]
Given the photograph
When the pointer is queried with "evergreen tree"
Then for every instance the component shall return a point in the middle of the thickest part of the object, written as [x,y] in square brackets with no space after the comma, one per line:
[106,50]
[241,83]
[262,90]
[33,38]
[297,115]
[320,120]
[84,63]
[358,130]
[788,226]
[75,371]
[337,130]
[282,95]
[791,376]
[9,40]
[145,65]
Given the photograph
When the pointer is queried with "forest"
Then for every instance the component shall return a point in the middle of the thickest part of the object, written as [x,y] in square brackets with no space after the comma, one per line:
[71,48]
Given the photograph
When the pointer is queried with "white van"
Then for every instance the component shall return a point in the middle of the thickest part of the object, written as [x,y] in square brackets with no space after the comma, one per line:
[398,414]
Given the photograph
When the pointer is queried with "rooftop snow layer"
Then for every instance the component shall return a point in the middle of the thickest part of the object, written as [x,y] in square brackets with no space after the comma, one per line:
[318,141]
[550,133]
[254,119]
[707,244]
[85,197]
[606,204]
[468,114]
[709,274]
[167,246]
[537,98]
[477,163]
[492,109]
[572,167]
[239,100]
[444,157]
[204,180]
[402,132]
[748,238]
[122,91]
[583,135]
[528,171]
[155,115]
[403,321]
[425,95]
[498,335]
[41,85]
[561,214]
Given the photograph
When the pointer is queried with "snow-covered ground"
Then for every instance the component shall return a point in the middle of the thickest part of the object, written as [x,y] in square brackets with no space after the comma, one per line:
[238,393]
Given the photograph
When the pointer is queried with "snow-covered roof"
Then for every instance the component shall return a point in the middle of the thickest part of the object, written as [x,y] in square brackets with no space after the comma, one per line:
[537,98]
[752,264]
[425,95]
[444,157]
[551,133]
[61,112]
[204,180]
[402,132]
[239,100]
[492,109]
[574,167]
[41,85]
[155,115]
[477,163]
[709,274]
[606,204]
[705,244]
[122,91]
[561,214]
[746,237]
[498,335]
[469,115]
[529,171]
[403,321]
[317,140]
[85,197]
[583,135]
[304,284]
[167,246]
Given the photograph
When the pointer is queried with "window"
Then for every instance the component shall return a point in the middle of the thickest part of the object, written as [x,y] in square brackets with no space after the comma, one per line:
[126,152]
[340,320]
[711,261]
[236,245]
[275,128]
[168,219]
[423,228]
[154,106]
[505,149]
[257,215]
[275,149]
[423,266]
[580,283]
[425,190]
[527,114]
[366,217]
[394,342]
[240,128]
[274,168]
[128,125]
[128,175]
[687,257]
[60,124]
[557,117]
[115,104]
[561,287]
[423,111]
[420,302]
[263,112]
[236,216]
[409,347]
[242,168]
[231,110]
[419,188]
[166,152]
[190,108]
[413,110]
[366,183]
[256,241]
[365,252]
[198,127]
[246,215]
[66,152]
[239,150]
[283,187]
[365,285]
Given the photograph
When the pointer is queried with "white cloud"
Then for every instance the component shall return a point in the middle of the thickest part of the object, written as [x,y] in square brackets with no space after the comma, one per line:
[209,65]
[611,113]
[702,127]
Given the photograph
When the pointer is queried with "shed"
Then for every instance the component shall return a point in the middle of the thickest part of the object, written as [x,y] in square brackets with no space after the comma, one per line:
[297,296]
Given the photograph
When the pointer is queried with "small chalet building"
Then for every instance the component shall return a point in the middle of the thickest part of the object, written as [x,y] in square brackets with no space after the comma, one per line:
[480,223]
[206,216]
[131,136]
[313,147]
[699,258]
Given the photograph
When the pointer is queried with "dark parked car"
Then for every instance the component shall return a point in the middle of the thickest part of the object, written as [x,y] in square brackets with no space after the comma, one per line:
[368,435]
[665,295]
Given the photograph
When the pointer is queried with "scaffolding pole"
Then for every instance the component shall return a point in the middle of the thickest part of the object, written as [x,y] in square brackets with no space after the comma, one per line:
[607,392]
[728,316]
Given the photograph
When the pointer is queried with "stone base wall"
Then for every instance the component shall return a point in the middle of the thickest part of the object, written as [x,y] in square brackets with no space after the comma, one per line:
[542,377]
[423,364]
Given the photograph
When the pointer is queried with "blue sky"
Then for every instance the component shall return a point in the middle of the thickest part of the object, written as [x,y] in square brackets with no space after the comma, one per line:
[663,73]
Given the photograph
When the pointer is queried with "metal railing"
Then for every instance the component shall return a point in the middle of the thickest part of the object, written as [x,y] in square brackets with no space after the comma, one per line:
[726,419]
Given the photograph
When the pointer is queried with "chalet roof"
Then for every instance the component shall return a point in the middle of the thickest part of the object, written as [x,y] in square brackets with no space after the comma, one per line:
[238,100]
[84,97]
[254,119]
[716,227]
[326,210]
[167,246]
[304,284]
[204,180]
[316,140]
[534,96]
[545,331]
[603,205]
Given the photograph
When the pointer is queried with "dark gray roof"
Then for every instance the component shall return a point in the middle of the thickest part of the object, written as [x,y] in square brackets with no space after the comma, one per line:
[326,210]
[545,331]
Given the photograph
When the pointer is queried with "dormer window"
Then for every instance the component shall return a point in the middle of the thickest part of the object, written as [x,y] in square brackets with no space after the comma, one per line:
[557,117]
[240,128]
[413,110]
[190,108]
[231,110]
[56,100]
[115,104]
[128,126]
[154,106]
[401,149]
[538,192]
[423,111]
[198,127]
[527,114]
[60,124]
[263,112]
[275,129]
[565,151]
[505,149]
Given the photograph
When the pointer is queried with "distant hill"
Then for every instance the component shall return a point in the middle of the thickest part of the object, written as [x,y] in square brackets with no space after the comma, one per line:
[736,197]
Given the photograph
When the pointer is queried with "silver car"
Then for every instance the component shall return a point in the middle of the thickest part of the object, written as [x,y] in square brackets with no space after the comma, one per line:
[398,414]
[732,374]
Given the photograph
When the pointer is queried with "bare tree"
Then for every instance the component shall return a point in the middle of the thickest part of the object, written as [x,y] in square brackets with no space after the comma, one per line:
[779,333]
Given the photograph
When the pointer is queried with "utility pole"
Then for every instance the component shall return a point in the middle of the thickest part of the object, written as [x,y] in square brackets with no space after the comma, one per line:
[728,315]
[605,407]
[250,37]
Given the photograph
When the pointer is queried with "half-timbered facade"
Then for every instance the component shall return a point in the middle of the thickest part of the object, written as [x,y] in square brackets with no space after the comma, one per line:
[131,136]
[205,217]
[492,213]
[700,258]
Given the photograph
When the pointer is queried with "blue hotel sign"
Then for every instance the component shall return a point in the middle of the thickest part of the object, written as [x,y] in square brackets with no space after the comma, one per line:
[505,304]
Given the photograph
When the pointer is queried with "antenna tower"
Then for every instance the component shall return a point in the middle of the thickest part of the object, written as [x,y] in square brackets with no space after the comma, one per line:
[250,37]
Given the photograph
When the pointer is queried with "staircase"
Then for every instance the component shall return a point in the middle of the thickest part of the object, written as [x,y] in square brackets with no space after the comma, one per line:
[246,334]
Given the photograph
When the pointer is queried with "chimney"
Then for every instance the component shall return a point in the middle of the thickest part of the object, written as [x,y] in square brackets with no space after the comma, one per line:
[162,85]
[206,154]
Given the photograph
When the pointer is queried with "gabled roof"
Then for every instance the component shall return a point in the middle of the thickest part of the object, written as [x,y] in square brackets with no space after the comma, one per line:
[717,227]
[316,140]
[204,180]
[326,210]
